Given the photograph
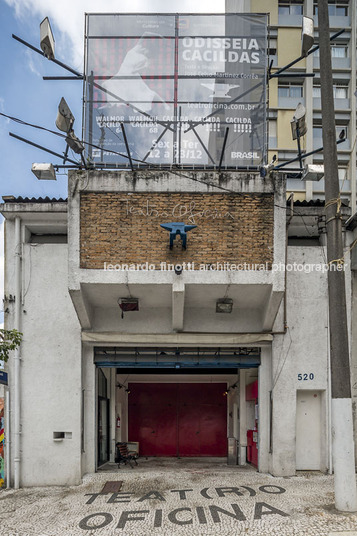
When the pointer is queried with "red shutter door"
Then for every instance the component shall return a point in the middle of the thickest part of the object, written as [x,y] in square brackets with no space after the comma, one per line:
[185,419]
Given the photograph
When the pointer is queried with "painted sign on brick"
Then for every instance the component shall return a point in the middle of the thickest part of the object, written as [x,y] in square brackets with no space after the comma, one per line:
[125,228]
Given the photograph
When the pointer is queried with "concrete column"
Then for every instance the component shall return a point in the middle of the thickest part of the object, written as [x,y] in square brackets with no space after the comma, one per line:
[112,423]
[178,304]
[90,411]
[264,389]
[242,419]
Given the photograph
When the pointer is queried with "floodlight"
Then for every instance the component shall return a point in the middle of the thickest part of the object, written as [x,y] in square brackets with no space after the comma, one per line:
[298,125]
[44,171]
[313,172]
[307,35]
[74,143]
[224,305]
[47,41]
[65,118]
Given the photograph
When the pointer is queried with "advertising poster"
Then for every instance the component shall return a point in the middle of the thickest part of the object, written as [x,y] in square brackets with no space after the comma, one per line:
[186,90]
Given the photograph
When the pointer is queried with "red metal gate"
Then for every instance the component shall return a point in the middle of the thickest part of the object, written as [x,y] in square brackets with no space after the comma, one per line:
[178,419]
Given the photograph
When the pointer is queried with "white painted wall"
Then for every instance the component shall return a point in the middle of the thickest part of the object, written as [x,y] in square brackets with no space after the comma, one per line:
[302,350]
[50,366]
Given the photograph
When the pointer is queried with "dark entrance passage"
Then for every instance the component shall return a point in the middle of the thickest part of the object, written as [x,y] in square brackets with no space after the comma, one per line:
[178,419]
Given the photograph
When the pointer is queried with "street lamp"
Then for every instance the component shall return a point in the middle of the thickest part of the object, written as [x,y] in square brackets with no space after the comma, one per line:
[44,171]
[47,41]
[313,172]
[65,118]
[298,127]
[64,122]
[307,35]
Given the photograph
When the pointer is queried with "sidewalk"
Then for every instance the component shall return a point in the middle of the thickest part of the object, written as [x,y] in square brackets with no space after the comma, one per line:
[181,497]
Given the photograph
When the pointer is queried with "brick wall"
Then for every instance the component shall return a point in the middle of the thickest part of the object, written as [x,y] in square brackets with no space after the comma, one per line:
[119,228]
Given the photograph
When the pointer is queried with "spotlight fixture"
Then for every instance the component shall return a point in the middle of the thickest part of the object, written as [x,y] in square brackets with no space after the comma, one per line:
[65,118]
[127,305]
[307,35]
[47,42]
[74,143]
[313,172]
[44,171]
[298,124]
[224,305]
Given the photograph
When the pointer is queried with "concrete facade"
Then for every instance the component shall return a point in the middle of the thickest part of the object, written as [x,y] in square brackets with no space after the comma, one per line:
[68,314]
[69,265]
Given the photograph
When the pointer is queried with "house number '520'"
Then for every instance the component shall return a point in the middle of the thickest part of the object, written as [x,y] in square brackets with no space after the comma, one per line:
[306,376]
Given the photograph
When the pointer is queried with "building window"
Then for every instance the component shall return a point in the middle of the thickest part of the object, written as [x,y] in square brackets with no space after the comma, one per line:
[339,92]
[317,131]
[290,7]
[336,8]
[337,51]
[293,91]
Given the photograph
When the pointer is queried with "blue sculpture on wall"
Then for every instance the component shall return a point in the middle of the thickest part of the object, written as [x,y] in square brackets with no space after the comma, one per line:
[177,228]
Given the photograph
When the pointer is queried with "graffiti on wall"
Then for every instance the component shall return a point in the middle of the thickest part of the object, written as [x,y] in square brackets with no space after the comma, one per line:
[2,441]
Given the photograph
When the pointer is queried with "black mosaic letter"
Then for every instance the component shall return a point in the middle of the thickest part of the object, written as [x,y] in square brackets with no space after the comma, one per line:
[125,516]
[83,524]
[238,514]
[258,512]
[173,519]
[151,495]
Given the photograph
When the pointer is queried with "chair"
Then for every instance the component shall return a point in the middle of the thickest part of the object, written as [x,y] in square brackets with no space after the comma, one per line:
[123,455]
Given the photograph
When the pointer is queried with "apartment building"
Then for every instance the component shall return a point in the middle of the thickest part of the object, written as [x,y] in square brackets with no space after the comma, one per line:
[286,93]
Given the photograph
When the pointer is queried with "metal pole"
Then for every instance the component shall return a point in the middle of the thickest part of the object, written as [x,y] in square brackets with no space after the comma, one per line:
[341,403]
[299,145]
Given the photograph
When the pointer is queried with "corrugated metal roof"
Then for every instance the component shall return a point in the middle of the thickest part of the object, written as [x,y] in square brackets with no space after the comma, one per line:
[311,203]
[315,203]
[13,199]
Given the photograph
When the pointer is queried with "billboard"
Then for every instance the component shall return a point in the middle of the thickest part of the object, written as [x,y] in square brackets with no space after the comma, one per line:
[176,90]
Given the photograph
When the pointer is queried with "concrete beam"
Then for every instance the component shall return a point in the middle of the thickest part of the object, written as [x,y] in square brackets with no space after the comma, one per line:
[271,309]
[176,339]
[83,308]
[178,304]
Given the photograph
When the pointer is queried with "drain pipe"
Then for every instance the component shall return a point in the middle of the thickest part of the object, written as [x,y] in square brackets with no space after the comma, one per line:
[17,356]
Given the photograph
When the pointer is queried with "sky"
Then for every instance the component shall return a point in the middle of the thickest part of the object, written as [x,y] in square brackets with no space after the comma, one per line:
[25,95]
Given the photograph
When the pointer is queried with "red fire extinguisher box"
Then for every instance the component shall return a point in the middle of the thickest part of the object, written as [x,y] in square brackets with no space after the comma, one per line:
[252,447]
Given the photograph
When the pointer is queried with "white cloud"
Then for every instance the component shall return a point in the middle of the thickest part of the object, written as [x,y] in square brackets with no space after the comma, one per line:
[31,63]
[67,17]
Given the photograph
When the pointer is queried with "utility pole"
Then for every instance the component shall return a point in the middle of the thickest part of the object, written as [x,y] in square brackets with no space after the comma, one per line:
[341,407]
